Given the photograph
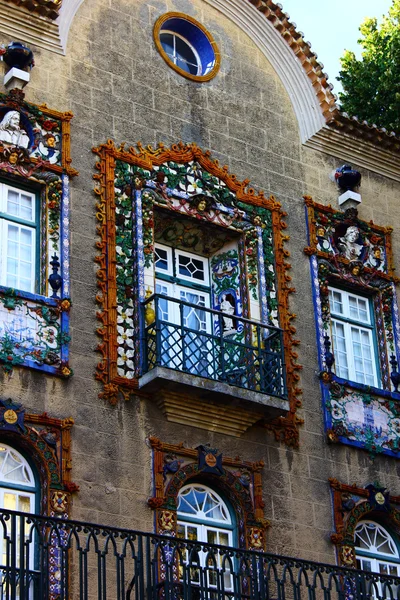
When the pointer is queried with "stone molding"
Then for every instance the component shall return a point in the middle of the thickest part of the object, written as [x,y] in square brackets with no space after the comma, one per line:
[19,23]
[289,68]
[309,93]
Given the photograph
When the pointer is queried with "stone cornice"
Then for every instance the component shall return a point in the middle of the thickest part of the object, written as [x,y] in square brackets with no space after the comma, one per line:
[352,149]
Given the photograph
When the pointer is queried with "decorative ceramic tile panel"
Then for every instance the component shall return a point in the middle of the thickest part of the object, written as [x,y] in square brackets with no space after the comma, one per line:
[35,156]
[349,254]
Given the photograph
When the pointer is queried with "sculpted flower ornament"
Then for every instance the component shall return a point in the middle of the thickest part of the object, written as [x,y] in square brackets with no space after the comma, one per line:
[125,336]
[125,362]
[124,316]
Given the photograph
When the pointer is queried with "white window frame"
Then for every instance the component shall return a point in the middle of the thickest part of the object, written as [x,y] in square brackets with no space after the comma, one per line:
[203,525]
[18,490]
[7,219]
[175,57]
[374,560]
[173,255]
[349,324]
[170,268]
[203,259]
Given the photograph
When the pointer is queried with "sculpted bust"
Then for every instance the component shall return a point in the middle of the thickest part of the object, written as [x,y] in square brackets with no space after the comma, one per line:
[348,243]
[11,131]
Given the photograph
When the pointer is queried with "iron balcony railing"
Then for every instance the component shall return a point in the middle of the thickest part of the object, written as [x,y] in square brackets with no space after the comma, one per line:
[191,338]
[46,558]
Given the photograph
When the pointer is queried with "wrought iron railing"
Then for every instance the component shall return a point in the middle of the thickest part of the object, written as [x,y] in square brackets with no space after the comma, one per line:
[46,558]
[191,338]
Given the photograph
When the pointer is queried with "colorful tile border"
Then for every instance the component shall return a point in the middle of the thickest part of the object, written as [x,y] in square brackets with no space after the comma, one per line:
[356,414]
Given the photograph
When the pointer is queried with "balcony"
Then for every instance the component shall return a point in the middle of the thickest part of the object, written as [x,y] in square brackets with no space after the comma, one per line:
[214,354]
[47,558]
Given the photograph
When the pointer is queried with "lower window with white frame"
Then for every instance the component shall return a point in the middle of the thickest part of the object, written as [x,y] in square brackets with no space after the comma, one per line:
[203,516]
[377,552]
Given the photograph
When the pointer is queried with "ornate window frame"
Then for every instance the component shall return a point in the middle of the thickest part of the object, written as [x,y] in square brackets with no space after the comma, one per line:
[350,407]
[47,442]
[239,481]
[352,504]
[121,255]
[41,341]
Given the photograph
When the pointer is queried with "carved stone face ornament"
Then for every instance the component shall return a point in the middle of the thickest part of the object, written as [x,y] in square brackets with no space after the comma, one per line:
[11,131]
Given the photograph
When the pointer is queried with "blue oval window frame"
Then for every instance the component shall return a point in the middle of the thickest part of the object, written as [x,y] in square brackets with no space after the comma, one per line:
[199,43]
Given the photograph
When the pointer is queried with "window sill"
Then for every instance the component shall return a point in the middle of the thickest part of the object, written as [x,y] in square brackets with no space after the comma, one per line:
[367,389]
[20,294]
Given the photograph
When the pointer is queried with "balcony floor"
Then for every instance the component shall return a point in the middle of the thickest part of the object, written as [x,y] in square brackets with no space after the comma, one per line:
[183,396]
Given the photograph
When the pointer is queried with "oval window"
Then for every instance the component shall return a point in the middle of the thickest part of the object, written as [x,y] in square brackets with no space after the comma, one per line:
[186,46]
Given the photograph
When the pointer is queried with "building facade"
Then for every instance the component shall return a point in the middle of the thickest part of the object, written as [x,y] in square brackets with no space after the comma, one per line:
[199,330]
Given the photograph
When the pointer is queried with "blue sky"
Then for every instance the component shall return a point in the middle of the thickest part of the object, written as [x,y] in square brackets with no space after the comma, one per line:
[333,27]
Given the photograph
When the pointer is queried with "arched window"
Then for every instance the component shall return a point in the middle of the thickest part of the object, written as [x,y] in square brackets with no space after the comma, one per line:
[204,516]
[18,491]
[18,486]
[376,549]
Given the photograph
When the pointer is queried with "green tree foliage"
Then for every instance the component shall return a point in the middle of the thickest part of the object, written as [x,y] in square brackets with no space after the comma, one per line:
[372,85]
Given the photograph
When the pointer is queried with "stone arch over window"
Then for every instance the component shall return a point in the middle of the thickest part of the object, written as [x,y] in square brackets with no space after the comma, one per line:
[42,455]
[367,527]
[282,45]
[233,489]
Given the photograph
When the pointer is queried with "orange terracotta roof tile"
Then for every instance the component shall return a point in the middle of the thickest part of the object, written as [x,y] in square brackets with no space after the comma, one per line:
[45,8]
[319,80]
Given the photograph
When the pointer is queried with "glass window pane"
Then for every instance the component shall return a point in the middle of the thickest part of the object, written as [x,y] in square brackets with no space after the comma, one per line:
[24,503]
[12,266]
[167,42]
[20,258]
[12,202]
[335,301]
[12,233]
[212,537]
[184,51]
[10,500]
[185,66]
[188,266]
[20,205]
[339,349]
[26,237]
[191,533]
[161,259]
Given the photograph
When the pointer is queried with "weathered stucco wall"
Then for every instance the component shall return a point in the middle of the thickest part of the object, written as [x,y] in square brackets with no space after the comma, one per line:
[118,87]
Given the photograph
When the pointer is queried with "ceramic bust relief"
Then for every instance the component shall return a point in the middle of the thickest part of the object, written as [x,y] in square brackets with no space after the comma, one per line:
[11,131]
[348,245]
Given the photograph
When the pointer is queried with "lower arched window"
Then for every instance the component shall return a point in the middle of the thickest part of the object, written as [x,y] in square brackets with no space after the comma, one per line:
[203,516]
[377,552]
[19,491]
[376,549]
[18,486]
